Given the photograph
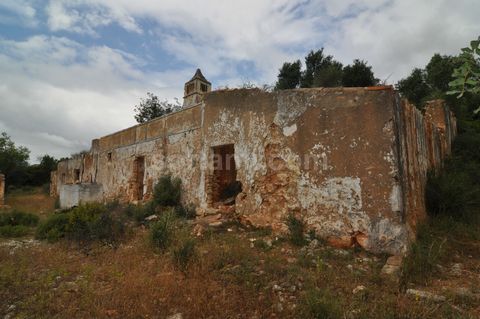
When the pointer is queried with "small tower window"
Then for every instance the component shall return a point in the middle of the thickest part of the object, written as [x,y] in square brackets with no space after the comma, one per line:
[190,88]
[109,156]
[203,87]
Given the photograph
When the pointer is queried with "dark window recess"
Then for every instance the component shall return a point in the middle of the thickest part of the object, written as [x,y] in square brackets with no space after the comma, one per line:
[203,87]
[225,186]
[76,175]
[190,88]
[109,156]
[139,174]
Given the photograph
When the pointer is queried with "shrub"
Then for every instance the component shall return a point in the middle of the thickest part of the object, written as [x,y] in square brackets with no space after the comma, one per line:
[93,221]
[162,231]
[422,257]
[53,228]
[15,218]
[112,205]
[296,230]
[140,212]
[320,304]
[13,231]
[82,219]
[184,253]
[167,192]
[187,211]
[85,223]
[451,193]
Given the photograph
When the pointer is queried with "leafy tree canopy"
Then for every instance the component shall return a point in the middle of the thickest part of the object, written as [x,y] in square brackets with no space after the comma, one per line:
[289,76]
[13,160]
[324,71]
[414,87]
[358,74]
[466,77]
[321,70]
[151,107]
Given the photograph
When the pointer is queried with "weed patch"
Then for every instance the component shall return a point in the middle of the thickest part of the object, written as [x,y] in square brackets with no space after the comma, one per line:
[162,231]
[296,230]
[13,231]
[320,304]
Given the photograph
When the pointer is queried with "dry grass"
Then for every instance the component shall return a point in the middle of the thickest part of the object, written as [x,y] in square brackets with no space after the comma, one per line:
[230,278]
[36,202]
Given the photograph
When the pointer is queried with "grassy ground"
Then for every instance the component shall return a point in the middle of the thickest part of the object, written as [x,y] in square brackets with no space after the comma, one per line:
[36,201]
[234,274]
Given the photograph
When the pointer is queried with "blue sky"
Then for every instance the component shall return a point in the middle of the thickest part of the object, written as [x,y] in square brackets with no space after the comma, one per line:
[71,71]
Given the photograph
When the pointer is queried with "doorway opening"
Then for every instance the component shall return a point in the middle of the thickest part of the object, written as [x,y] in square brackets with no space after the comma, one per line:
[224,180]
[139,175]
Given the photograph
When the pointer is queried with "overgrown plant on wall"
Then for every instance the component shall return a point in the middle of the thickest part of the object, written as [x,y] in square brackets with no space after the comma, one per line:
[467,75]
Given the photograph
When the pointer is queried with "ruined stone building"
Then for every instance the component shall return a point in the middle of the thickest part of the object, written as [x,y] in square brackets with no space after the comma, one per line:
[351,162]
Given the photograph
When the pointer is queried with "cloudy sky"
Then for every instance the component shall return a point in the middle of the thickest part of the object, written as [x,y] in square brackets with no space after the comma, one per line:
[73,70]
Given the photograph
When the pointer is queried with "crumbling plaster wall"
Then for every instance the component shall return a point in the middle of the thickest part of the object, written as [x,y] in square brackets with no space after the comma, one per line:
[111,161]
[351,162]
[327,155]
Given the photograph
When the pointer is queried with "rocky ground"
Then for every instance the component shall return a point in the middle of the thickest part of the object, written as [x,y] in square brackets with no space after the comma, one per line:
[236,273]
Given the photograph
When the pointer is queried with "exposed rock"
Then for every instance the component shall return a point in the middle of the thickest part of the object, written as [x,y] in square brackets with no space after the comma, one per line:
[393,265]
[358,289]
[341,252]
[456,269]
[15,244]
[176,316]
[344,242]
[229,201]
[420,294]
[313,244]
[151,218]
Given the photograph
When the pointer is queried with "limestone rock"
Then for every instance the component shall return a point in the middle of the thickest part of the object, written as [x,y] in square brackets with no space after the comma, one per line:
[393,265]
[358,289]
[420,294]
[176,316]
[151,218]
[456,269]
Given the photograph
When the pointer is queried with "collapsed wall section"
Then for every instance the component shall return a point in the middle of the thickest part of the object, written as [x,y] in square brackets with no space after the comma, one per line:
[424,141]
[326,155]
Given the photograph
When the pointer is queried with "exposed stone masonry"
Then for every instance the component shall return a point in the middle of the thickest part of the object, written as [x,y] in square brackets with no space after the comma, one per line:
[351,162]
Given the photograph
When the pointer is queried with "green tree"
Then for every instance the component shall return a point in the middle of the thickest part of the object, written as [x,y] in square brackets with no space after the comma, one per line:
[358,74]
[39,174]
[330,75]
[439,71]
[466,78]
[289,76]
[13,160]
[151,107]
[321,71]
[415,87]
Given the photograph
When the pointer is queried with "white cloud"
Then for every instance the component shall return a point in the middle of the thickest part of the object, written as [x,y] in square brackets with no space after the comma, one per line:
[22,12]
[58,94]
[393,35]
[72,16]
[56,107]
